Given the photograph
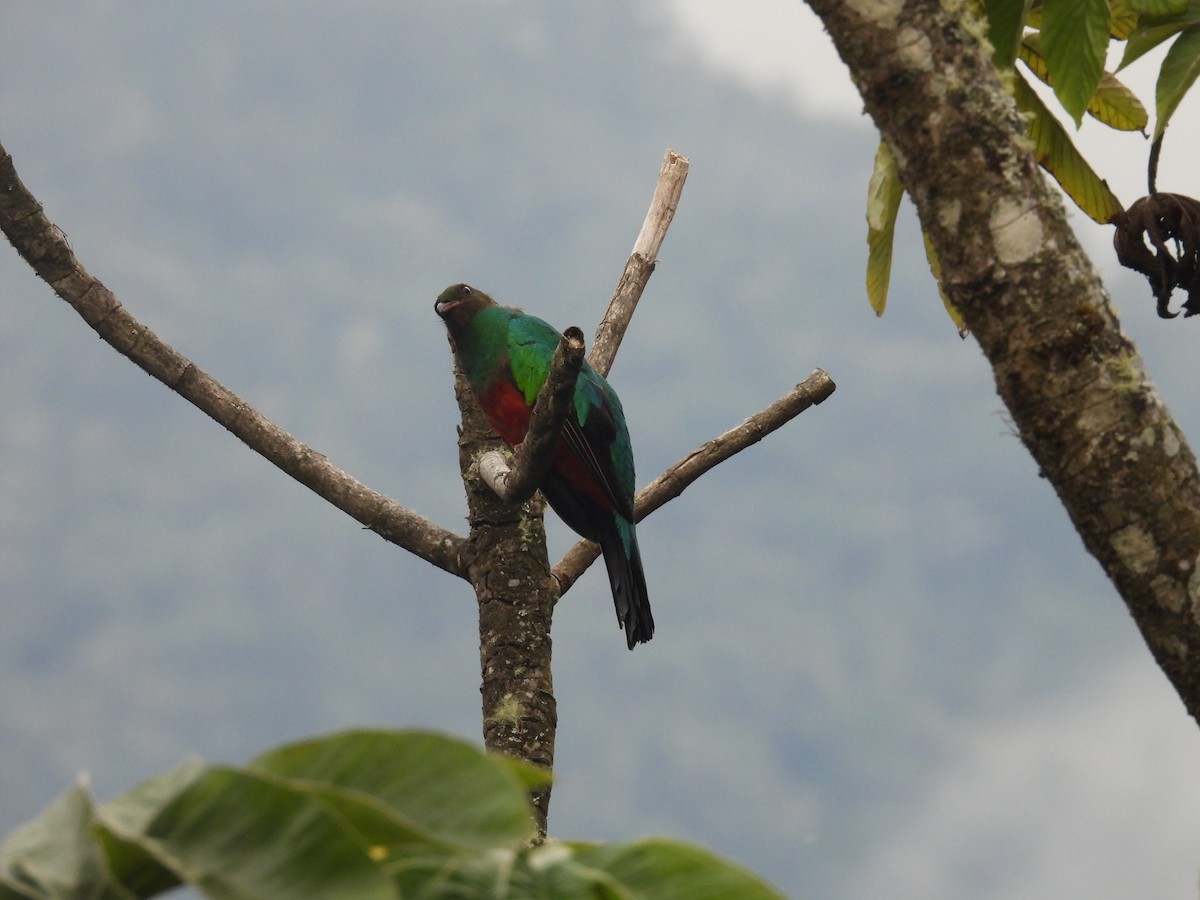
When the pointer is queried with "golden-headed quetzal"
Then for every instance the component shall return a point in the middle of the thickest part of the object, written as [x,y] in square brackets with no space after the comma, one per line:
[506,355]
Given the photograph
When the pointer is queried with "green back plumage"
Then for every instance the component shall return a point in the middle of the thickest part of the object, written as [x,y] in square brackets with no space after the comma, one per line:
[503,342]
[531,344]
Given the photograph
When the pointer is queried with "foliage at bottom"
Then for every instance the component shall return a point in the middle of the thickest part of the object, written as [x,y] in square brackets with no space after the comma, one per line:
[359,814]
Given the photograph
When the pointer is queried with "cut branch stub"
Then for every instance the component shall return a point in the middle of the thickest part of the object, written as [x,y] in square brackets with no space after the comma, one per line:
[642,260]
[1170,224]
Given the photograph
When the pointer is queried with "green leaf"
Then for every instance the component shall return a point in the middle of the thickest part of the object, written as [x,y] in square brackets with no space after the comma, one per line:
[1006,23]
[1113,103]
[451,789]
[54,855]
[1123,20]
[326,817]
[1154,30]
[369,815]
[657,867]
[122,823]
[235,834]
[1057,155]
[1117,106]
[1179,69]
[883,202]
[559,870]
[1075,41]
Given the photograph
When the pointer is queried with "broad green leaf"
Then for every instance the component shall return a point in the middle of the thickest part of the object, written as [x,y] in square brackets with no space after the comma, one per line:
[367,815]
[237,834]
[450,788]
[1075,41]
[1154,30]
[122,823]
[519,874]
[662,868]
[1117,106]
[1179,69]
[1113,103]
[558,870]
[883,202]
[55,854]
[1057,155]
[1006,23]
[136,808]
[327,817]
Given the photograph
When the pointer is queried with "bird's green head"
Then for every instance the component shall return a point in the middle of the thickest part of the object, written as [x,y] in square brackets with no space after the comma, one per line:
[461,301]
[458,305]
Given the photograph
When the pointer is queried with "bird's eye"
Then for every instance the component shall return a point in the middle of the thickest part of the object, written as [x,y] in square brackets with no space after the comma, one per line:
[466,289]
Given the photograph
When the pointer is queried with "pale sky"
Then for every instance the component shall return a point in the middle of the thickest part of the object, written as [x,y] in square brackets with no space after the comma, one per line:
[781,45]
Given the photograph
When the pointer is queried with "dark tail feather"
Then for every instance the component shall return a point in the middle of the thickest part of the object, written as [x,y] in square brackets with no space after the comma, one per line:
[628,589]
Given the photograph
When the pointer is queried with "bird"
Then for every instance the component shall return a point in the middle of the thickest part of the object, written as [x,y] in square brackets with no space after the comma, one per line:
[505,354]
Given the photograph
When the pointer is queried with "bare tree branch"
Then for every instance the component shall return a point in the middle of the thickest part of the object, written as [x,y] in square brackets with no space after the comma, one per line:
[671,483]
[517,482]
[41,244]
[641,262]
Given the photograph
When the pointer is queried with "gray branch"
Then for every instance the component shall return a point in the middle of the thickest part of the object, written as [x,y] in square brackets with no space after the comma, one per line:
[642,260]
[41,244]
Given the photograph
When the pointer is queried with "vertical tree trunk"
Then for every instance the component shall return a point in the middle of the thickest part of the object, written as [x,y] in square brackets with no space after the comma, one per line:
[509,567]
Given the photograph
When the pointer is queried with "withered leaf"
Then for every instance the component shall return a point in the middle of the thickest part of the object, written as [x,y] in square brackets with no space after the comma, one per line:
[1159,236]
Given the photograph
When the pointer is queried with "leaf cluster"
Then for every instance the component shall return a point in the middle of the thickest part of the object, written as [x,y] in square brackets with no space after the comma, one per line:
[359,814]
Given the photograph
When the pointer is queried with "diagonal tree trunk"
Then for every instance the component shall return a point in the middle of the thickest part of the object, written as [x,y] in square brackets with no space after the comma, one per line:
[1073,383]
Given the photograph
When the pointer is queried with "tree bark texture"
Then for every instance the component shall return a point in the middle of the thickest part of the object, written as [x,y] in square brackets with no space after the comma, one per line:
[509,569]
[1073,383]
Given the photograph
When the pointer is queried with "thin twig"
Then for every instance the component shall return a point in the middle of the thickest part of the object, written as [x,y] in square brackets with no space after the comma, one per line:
[813,390]
[515,482]
[41,244]
[641,262]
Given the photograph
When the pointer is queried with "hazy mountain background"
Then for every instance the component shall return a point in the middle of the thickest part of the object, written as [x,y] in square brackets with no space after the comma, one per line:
[884,664]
